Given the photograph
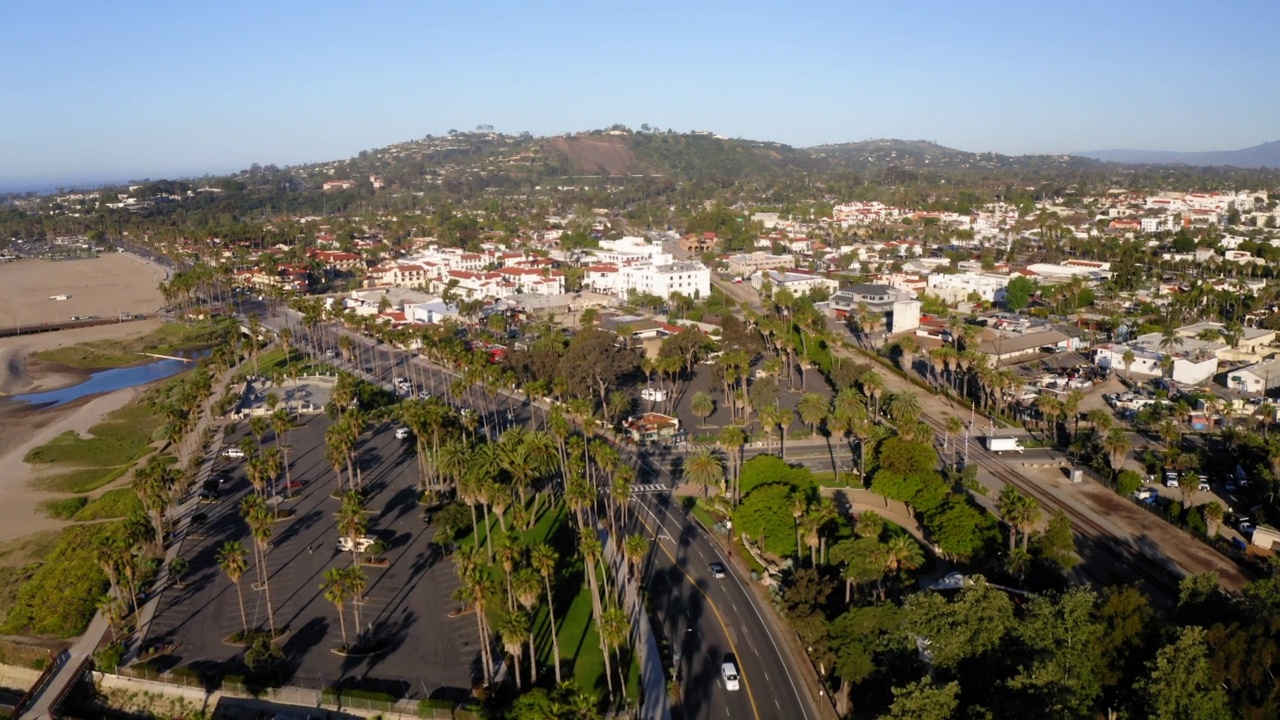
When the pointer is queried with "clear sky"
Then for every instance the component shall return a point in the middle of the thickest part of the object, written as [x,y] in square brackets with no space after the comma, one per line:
[117,90]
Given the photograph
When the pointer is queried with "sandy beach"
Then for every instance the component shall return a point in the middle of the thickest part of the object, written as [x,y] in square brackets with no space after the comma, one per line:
[97,286]
[106,286]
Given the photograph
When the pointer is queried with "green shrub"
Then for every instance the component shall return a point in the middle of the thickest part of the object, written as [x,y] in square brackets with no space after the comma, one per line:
[108,658]
[63,509]
[118,503]
[62,596]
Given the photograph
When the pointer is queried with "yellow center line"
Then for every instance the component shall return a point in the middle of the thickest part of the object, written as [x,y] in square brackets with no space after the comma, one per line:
[742,675]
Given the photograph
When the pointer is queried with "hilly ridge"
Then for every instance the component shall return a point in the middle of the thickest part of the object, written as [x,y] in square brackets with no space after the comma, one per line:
[1266,155]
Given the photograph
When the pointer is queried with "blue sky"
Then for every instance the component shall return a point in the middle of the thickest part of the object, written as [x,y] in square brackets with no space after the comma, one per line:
[120,90]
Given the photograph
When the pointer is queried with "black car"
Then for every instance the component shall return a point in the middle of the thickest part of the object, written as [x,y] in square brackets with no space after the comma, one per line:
[208,496]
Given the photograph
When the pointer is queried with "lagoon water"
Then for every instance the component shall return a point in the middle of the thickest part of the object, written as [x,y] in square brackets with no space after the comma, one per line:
[107,381]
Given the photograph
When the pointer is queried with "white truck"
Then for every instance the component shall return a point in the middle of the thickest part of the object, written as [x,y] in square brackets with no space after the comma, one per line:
[1001,445]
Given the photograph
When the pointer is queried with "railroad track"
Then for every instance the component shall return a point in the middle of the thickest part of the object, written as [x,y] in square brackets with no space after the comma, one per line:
[1151,569]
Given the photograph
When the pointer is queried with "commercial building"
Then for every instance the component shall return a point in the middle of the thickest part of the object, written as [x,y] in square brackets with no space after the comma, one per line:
[745,264]
[1257,379]
[798,283]
[900,311]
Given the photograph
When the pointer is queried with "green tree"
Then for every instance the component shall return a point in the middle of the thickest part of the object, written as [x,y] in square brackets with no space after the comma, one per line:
[975,623]
[1061,671]
[1056,544]
[925,700]
[1018,293]
[1180,685]
[765,517]
[232,558]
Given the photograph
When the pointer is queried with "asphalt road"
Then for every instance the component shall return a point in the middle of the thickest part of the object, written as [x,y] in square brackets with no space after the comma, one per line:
[706,618]
[714,616]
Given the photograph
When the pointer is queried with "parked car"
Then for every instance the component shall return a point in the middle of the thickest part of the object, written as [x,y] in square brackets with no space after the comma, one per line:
[295,485]
[402,433]
[233,452]
[360,544]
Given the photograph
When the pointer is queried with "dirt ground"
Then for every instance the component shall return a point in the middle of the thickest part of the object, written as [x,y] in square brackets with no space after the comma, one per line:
[106,285]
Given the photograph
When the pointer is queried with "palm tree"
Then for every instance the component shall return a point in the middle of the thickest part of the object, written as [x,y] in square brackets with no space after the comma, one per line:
[704,467]
[900,553]
[514,630]
[614,631]
[260,520]
[903,407]
[232,560]
[635,547]
[812,409]
[544,558]
[731,440]
[353,522]
[1127,359]
[528,587]
[702,405]
[1020,512]
[1116,443]
[336,591]
[356,582]
[478,590]
[281,422]
[954,426]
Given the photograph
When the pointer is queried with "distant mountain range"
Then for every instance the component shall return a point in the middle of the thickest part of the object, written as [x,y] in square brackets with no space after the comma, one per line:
[1266,155]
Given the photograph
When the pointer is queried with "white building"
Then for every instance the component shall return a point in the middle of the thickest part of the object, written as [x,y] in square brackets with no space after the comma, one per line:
[692,279]
[796,282]
[1256,379]
[1194,361]
[745,264]
[900,310]
[956,287]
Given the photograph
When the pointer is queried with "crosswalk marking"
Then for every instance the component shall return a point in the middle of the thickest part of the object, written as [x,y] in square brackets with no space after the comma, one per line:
[649,488]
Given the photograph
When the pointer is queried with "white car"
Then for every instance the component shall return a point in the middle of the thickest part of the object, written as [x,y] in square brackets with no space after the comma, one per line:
[233,452]
[729,673]
[653,394]
[402,433]
[360,544]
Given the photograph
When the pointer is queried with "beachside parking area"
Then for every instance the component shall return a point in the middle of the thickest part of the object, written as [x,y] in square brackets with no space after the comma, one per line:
[428,654]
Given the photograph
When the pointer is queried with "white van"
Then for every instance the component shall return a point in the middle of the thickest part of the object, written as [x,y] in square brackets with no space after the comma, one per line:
[233,452]
[729,673]
[360,544]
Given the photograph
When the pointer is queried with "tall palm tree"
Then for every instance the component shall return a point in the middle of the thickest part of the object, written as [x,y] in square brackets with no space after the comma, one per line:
[281,423]
[1020,512]
[479,591]
[356,582]
[337,592]
[702,405]
[703,467]
[635,547]
[528,587]
[260,520]
[544,559]
[232,560]
[514,629]
[1116,443]
[615,630]
[954,427]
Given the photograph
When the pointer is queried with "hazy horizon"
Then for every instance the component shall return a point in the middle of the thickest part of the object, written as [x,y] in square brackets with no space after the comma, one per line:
[111,92]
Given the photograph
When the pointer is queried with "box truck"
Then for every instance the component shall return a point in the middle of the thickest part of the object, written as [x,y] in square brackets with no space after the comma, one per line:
[1000,445]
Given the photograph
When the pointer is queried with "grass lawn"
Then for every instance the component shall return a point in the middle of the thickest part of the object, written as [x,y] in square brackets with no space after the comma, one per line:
[81,481]
[579,641]
[100,354]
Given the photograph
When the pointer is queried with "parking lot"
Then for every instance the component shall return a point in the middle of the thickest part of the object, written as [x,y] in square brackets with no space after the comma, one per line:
[407,606]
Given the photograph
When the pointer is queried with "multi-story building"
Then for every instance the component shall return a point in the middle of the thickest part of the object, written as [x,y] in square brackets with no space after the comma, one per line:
[900,311]
[746,264]
[956,287]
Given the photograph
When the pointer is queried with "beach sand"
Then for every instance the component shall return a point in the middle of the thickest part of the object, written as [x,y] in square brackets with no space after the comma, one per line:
[98,287]
[105,286]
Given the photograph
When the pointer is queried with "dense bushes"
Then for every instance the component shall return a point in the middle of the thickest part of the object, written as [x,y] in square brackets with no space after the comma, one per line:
[62,596]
